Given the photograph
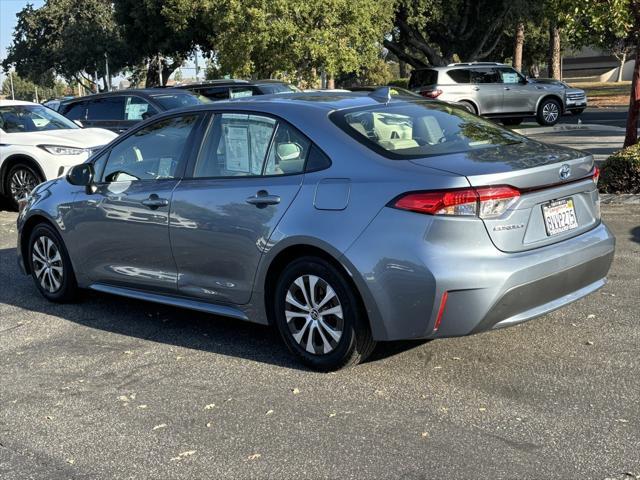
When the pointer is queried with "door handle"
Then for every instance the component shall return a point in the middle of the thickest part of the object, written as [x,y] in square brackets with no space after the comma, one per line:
[475,88]
[507,88]
[262,199]
[154,202]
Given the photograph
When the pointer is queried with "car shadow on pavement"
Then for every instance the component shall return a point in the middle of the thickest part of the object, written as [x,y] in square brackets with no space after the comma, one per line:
[635,234]
[160,323]
[4,205]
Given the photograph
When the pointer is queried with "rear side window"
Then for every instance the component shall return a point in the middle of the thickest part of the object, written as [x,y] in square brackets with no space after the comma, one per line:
[214,93]
[420,129]
[461,75]
[137,108]
[239,92]
[75,111]
[485,75]
[108,108]
[423,77]
[169,101]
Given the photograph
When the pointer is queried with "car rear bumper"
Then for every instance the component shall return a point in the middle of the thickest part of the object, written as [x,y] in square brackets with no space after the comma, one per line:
[403,288]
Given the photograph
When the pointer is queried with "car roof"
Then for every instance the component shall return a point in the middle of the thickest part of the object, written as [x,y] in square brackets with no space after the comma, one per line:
[13,103]
[142,92]
[227,82]
[454,66]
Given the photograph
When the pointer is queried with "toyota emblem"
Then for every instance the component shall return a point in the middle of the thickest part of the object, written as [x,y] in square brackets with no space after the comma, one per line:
[564,172]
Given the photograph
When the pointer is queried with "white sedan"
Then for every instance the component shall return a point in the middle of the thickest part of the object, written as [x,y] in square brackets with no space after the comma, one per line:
[38,144]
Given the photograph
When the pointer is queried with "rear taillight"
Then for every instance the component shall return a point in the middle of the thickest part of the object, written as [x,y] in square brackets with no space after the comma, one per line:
[596,174]
[435,93]
[485,202]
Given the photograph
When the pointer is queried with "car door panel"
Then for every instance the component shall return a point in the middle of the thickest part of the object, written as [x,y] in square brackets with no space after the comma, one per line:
[489,92]
[519,96]
[218,234]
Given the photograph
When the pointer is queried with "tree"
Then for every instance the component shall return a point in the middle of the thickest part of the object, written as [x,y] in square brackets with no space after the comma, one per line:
[518,47]
[26,90]
[436,32]
[149,30]
[595,22]
[68,38]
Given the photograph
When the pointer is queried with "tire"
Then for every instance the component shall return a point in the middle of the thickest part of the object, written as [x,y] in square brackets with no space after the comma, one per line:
[549,112]
[471,108]
[335,342]
[20,180]
[577,111]
[50,265]
[512,121]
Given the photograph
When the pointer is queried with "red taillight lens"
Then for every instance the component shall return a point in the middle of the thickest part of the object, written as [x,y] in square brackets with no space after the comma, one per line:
[443,202]
[431,93]
[596,174]
[485,202]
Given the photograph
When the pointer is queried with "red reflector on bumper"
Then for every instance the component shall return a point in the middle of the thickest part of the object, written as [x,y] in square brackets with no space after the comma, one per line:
[443,303]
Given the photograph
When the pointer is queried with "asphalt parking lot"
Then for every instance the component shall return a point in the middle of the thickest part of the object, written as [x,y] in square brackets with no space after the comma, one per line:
[111,388]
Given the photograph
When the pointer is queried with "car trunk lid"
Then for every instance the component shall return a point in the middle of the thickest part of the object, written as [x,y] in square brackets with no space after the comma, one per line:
[558,197]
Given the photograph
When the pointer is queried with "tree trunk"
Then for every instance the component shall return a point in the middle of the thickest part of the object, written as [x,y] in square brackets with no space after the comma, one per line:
[622,60]
[517,50]
[402,68]
[152,79]
[331,83]
[554,52]
[631,137]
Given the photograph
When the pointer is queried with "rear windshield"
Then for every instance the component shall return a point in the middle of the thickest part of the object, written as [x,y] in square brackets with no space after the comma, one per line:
[421,129]
[421,78]
[176,100]
[278,88]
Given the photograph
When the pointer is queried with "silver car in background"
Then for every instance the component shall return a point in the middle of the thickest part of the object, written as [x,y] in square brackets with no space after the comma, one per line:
[494,90]
[343,219]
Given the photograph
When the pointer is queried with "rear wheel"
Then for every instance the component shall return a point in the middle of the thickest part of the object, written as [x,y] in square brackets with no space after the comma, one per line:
[50,265]
[512,121]
[549,112]
[319,315]
[21,179]
[469,106]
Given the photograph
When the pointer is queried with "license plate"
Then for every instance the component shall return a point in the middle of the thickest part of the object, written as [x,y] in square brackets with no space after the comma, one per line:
[559,216]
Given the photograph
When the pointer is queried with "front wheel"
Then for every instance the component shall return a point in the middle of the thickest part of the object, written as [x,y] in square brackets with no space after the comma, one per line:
[549,112]
[50,265]
[319,316]
[20,181]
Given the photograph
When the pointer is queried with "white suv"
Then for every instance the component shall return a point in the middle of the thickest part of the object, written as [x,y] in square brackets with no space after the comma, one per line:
[38,144]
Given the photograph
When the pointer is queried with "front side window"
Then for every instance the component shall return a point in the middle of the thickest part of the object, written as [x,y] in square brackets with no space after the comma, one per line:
[509,75]
[421,129]
[75,111]
[268,88]
[137,108]
[152,153]
[235,145]
[108,108]
[32,118]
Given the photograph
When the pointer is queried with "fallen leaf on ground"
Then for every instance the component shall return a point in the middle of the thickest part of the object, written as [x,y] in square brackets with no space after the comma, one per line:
[210,406]
[425,434]
[332,415]
[142,406]
[158,427]
[71,461]
[482,409]
[254,456]
[588,342]
[269,412]
[591,315]
[295,391]
[209,425]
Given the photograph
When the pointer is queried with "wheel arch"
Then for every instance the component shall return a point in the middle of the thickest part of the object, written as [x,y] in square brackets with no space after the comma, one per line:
[25,234]
[552,96]
[289,253]
[16,159]
[473,104]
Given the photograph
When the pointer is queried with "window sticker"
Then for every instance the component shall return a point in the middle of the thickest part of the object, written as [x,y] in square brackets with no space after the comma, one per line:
[510,77]
[236,142]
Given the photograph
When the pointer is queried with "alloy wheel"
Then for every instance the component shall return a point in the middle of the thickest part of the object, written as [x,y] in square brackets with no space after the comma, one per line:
[314,314]
[550,112]
[22,182]
[47,264]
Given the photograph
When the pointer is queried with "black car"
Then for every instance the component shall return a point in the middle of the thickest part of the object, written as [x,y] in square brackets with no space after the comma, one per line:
[119,110]
[225,89]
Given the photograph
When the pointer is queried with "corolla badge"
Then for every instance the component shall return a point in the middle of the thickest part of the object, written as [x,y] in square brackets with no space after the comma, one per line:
[564,172]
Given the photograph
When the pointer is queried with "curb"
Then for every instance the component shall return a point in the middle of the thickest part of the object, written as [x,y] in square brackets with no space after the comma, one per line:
[619,199]
[567,128]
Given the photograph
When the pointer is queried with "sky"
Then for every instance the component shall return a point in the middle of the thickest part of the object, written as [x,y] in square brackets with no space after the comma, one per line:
[8,20]
[8,10]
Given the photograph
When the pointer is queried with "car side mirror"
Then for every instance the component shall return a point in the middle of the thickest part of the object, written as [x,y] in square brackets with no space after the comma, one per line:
[146,115]
[79,123]
[81,175]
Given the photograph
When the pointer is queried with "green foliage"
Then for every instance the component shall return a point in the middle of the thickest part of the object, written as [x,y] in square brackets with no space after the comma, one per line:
[621,171]
[399,82]
[65,37]
[26,90]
